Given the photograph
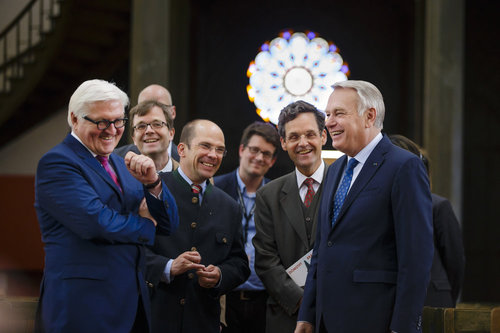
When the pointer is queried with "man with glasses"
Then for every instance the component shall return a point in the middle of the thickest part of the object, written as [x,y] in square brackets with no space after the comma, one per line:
[152,129]
[155,92]
[95,218]
[205,258]
[285,213]
[246,305]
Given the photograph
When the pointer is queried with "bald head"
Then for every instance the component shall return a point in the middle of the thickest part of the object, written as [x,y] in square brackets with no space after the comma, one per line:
[158,93]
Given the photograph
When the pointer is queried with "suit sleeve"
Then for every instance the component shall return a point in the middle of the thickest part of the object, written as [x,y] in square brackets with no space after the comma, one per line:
[450,246]
[234,268]
[164,211]
[64,193]
[307,311]
[412,212]
[268,265]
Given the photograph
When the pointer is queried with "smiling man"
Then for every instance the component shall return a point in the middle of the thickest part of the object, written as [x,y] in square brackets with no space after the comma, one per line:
[205,258]
[152,129]
[285,213]
[374,246]
[95,218]
[246,305]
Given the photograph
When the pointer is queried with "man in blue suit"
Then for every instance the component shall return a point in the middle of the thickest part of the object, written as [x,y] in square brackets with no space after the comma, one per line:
[373,252]
[95,218]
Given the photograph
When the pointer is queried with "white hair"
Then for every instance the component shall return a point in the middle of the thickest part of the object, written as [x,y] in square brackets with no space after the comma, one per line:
[92,91]
[368,97]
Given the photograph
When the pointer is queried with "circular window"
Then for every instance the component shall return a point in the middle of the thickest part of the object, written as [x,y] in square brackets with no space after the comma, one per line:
[298,66]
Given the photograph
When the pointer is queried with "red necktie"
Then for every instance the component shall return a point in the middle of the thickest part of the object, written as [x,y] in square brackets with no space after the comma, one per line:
[105,163]
[196,189]
[310,192]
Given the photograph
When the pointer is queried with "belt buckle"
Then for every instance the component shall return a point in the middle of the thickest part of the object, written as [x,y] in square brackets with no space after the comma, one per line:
[243,297]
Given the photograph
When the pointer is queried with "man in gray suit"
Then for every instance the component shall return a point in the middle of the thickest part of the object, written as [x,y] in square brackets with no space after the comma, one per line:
[285,213]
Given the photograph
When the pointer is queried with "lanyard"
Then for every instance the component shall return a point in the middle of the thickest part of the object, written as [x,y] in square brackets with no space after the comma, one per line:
[245,215]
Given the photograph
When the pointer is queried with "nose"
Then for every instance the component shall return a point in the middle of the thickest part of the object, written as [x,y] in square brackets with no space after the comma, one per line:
[303,140]
[149,128]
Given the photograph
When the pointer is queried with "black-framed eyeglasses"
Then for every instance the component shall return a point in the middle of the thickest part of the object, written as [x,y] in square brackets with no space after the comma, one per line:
[104,124]
[155,125]
[256,150]
[219,151]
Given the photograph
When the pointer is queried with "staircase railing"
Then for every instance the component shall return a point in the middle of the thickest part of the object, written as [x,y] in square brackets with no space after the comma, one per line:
[21,36]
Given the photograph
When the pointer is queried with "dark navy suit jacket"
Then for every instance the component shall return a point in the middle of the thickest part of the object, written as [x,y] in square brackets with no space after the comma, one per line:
[369,273]
[94,237]
[229,183]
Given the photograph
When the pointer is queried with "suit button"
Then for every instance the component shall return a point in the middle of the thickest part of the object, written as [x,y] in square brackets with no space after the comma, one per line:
[182,301]
[190,276]
[194,200]
[308,219]
[193,248]
[150,285]
[224,240]
[193,225]
[329,244]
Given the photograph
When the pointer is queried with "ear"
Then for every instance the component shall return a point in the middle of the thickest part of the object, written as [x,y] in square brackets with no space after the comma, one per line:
[172,133]
[323,137]
[180,149]
[240,150]
[173,113]
[74,119]
[370,116]
[283,144]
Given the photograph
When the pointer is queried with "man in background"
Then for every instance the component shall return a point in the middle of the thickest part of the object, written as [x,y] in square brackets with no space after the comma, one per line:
[372,257]
[95,218]
[205,258]
[152,129]
[155,92]
[246,305]
[285,213]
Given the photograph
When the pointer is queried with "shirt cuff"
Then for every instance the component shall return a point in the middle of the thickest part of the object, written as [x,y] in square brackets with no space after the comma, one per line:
[165,277]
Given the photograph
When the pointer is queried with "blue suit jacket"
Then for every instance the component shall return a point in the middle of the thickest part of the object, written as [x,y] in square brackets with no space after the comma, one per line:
[94,237]
[370,272]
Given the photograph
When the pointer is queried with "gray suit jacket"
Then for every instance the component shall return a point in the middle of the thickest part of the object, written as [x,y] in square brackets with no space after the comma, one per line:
[280,241]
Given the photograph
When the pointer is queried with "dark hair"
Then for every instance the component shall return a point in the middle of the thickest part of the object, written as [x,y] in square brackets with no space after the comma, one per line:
[265,130]
[143,108]
[405,143]
[292,110]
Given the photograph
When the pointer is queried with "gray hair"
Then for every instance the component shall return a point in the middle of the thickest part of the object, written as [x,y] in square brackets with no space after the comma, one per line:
[368,97]
[92,91]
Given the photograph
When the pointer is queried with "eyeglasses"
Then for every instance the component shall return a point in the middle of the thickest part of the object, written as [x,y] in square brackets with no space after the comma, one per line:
[104,124]
[155,125]
[295,137]
[256,150]
[207,148]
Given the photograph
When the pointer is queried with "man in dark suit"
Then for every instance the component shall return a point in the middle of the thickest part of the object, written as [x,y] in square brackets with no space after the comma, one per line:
[373,253]
[285,213]
[246,305]
[205,258]
[95,216]
[152,129]
[155,92]
[448,265]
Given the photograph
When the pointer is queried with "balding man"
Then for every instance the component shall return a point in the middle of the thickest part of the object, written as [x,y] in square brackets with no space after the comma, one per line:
[154,92]
[205,258]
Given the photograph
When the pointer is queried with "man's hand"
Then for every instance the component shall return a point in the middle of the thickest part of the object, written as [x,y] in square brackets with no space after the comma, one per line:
[144,211]
[304,327]
[209,276]
[141,167]
[186,261]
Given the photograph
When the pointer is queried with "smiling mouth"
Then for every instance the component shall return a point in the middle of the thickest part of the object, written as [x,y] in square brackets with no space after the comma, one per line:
[304,151]
[208,164]
[150,140]
[107,137]
[335,133]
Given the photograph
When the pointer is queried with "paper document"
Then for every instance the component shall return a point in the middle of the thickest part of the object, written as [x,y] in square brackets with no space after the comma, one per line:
[298,271]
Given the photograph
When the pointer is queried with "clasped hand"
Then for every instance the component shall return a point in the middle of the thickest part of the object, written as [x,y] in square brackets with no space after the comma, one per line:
[208,276]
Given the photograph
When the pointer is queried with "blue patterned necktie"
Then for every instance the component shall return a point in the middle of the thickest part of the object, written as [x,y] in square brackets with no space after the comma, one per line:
[343,189]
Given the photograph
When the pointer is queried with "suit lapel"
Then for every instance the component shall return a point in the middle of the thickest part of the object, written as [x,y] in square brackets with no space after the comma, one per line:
[94,164]
[335,175]
[369,169]
[292,207]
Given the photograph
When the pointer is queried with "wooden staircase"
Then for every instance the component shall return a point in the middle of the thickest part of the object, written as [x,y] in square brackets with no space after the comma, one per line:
[86,39]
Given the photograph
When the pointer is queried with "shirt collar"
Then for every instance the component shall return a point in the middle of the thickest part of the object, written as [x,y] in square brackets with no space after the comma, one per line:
[168,167]
[242,185]
[317,175]
[363,155]
[190,182]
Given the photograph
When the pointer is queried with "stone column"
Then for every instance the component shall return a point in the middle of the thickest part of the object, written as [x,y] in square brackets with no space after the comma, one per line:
[443,96]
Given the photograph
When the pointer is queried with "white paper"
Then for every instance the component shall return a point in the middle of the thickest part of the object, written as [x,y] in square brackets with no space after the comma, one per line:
[298,271]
